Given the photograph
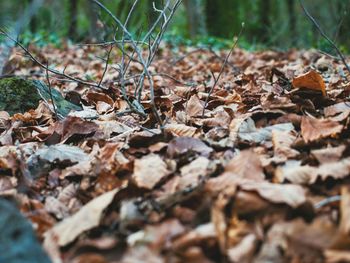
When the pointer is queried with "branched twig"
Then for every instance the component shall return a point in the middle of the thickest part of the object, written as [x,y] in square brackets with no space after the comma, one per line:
[162,21]
[320,30]
[216,79]
[54,71]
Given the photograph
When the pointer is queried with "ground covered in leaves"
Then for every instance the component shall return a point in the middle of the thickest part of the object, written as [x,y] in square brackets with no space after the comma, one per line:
[260,176]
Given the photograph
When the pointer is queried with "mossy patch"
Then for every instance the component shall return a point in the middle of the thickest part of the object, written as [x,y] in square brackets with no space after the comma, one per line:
[18,95]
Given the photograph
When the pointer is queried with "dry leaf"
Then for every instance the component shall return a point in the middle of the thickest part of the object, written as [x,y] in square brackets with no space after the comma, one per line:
[245,166]
[192,173]
[182,145]
[310,80]
[86,218]
[306,174]
[313,129]
[194,107]
[292,195]
[180,130]
[149,171]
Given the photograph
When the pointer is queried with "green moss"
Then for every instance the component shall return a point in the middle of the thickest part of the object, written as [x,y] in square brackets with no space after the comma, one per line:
[17,95]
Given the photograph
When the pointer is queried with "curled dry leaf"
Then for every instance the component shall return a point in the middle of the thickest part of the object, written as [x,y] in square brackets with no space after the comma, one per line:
[180,130]
[182,145]
[336,109]
[202,233]
[244,251]
[86,218]
[149,171]
[310,80]
[63,130]
[194,107]
[329,155]
[245,166]
[289,194]
[282,142]
[295,173]
[313,129]
[245,130]
[192,173]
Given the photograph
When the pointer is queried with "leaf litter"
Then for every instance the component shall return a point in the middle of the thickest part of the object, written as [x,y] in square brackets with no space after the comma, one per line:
[261,175]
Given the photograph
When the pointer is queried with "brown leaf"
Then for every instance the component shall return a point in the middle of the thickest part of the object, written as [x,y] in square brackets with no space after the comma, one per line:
[194,107]
[149,171]
[310,80]
[63,130]
[180,130]
[282,142]
[192,173]
[246,166]
[292,195]
[313,129]
[336,109]
[305,174]
[182,145]
[86,218]
[329,155]
[344,226]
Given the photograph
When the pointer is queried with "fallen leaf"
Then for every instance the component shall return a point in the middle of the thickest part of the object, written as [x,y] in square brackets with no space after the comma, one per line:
[295,173]
[192,173]
[336,109]
[282,144]
[180,130]
[313,129]
[329,155]
[310,80]
[246,131]
[149,171]
[88,217]
[194,107]
[182,145]
[292,195]
[245,166]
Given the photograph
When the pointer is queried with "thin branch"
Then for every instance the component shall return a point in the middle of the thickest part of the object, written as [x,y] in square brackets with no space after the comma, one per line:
[54,71]
[327,201]
[216,80]
[106,65]
[320,30]
[50,92]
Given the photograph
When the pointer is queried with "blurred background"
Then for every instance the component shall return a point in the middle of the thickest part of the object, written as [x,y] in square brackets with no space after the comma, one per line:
[278,24]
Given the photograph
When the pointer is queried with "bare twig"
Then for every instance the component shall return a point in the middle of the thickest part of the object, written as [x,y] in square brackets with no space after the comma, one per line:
[50,92]
[327,201]
[216,79]
[106,65]
[320,30]
[54,71]
[162,21]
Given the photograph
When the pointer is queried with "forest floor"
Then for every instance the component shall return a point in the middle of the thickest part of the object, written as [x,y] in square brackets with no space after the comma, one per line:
[262,175]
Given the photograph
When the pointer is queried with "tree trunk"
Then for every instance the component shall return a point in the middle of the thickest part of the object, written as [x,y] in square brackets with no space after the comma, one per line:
[264,17]
[195,18]
[33,21]
[73,19]
[222,18]
[292,20]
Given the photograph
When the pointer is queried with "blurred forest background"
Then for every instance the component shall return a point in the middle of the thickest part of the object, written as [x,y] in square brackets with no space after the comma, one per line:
[279,24]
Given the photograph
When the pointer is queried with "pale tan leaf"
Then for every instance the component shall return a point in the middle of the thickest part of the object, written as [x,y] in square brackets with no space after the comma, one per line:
[180,130]
[86,218]
[313,129]
[306,174]
[194,107]
[149,171]
[292,195]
